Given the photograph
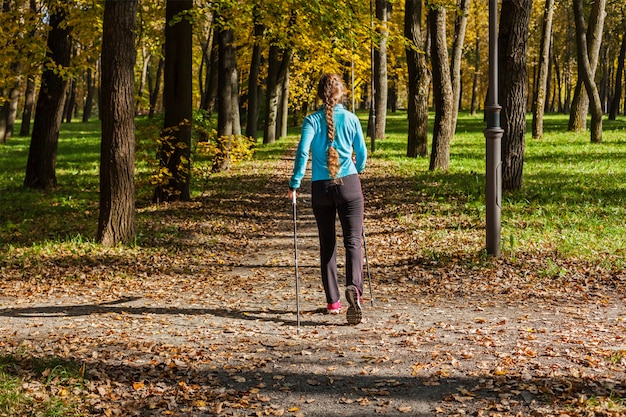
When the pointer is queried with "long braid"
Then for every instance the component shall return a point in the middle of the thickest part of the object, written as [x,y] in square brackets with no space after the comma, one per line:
[330,90]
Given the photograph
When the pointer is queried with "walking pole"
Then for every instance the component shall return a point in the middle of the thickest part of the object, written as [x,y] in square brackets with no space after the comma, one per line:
[295,255]
[367,264]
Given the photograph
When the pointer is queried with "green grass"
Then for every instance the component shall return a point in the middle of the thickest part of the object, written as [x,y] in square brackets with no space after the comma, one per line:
[45,387]
[572,203]
[573,197]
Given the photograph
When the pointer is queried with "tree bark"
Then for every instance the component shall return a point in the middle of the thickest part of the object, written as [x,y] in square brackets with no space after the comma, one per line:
[586,71]
[379,123]
[88,107]
[29,103]
[154,92]
[617,91]
[225,98]
[418,81]
[542,78]
[277,70]
[443,130]
[9,110]
[513,88]
[225,105]
[29,94]
[204,76]
[253,83]
[145,67]
[460,28]
[70,102]
[580,101]
[116,223]
[475,78]
[271,96]
[283,119]
[41,165]
[175,151]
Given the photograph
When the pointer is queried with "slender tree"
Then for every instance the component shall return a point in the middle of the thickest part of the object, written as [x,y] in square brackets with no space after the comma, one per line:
[443,130]
[580,101]
[378,115]
[253,78]
[91,88]
[619,75]
[116,223]
[41,165]
[460,27]
[31,87]
[542,78]
[586,71]
[174,155]
[29,103]
[476,74]
[155,84]
[513,88]
[418,81]
[277,71]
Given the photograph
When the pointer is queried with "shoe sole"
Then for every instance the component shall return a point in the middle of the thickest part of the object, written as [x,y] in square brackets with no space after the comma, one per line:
[354,315]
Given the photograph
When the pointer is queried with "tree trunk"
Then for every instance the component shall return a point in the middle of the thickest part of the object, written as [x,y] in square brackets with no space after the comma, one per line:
[70,102]
[475,78]
[213,81]
[580,102]
[204,76]
[234,81]
[225,105]
[549,104]
[460,28]
[116,223]
[513,88]
[418,82]
[443,130]
[617,91]
[88,107]
[225,98]
[41,165]
[275,76]
[145,67]
[542,79]
[585,68]
[9,110]
[380,74]
[283,120]
[175,151]
[253,83]
[29,102]
[154,93]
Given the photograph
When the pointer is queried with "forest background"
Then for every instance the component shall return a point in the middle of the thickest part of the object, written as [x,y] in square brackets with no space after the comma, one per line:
[211,79]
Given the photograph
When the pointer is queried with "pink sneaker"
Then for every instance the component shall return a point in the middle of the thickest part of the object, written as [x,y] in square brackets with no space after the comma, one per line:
[334,308]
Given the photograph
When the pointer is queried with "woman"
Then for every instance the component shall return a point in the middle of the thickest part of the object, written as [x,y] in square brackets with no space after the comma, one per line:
[335,139]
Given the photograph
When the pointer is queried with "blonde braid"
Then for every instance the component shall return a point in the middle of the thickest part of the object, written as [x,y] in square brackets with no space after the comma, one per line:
[330,90]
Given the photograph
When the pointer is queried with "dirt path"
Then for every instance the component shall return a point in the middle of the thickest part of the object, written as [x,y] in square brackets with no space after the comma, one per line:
[210,330]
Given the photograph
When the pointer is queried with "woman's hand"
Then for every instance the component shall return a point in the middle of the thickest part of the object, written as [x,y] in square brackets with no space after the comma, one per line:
[292,196]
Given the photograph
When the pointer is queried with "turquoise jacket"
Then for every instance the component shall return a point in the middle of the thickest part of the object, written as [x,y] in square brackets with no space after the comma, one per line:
[348,139]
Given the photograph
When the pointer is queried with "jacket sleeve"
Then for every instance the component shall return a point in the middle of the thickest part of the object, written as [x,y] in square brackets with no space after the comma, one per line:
[302,154]
[360,150]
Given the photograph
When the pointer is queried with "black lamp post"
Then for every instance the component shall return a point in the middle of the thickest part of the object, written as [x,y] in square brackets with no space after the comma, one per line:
[493,138]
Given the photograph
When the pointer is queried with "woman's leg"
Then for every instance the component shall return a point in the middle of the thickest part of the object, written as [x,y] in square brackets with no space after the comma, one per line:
[325,213]
[350,209]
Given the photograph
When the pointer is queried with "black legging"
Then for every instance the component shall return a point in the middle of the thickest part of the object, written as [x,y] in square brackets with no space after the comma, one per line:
[344,197]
